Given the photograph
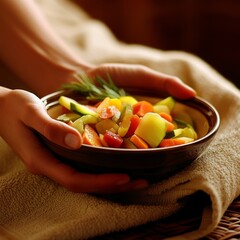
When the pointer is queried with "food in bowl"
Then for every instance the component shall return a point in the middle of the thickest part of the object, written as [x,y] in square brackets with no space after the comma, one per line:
[126,122]
[154,162]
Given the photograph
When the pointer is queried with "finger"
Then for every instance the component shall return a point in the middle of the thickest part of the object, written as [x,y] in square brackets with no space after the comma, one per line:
[77,181]
[126,75]
[40,161]
[83,182]
[175,87]
[90,183]
[130,186]
[58,132]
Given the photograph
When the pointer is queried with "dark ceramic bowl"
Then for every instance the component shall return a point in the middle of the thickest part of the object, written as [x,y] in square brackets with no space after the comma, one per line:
[153,164]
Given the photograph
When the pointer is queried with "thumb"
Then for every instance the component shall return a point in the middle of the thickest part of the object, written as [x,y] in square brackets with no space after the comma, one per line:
[58,132]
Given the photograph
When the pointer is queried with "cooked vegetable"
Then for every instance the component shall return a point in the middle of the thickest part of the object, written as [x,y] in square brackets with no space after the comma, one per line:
[188,132]
[142,107]
[170,126]
[118,120]
[126,121]
[168,102]
[171,142]
[76,107]
[128,100]
[105,125]
[161,108]
[152,129]
[79,125]
[112,139]
[90,136]
[166,116]
[138,142]
[128,144]
[108,112]
[67,117]
[134,122]
[175,133]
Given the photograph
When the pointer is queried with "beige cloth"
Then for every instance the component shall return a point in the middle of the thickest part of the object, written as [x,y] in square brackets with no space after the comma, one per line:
[35,208]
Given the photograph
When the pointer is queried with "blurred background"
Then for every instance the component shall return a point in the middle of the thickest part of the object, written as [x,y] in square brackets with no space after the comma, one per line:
[209,29]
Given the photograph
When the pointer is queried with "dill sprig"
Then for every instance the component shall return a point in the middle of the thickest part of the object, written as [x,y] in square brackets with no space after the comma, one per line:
[103,88]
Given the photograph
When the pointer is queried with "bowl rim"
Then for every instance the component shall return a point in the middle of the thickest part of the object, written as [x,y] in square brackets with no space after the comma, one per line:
[192,102]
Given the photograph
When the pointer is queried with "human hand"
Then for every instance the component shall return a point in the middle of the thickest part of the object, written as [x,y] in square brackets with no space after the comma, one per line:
[24,112]
[132,75]
[30,114]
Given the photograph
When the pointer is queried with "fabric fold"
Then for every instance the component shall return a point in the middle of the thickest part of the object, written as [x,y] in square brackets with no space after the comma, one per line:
[35,208]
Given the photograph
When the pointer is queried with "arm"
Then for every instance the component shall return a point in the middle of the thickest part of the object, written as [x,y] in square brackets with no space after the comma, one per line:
[32,50]
[41,59]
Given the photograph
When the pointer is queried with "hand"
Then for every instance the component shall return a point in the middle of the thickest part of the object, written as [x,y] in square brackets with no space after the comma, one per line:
[131,75]
[23,112]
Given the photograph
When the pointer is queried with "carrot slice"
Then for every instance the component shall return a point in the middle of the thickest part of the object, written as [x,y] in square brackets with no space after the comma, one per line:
[166,116]
[169,121]
[170,126]
[142,107]
[90,137]
[171,142]
[138,142]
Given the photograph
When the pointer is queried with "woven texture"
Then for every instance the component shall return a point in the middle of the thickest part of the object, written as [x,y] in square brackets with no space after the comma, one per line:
[228,228]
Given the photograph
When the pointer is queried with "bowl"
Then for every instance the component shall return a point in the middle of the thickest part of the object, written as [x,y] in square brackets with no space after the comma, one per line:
[153,164]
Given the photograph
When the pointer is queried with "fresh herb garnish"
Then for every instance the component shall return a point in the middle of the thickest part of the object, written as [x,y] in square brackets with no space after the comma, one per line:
[104,88]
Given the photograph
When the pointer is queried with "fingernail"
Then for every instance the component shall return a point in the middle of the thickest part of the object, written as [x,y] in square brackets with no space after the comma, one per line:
[72,140]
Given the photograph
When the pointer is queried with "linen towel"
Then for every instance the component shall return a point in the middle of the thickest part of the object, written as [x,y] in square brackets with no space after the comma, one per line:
[36,208]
